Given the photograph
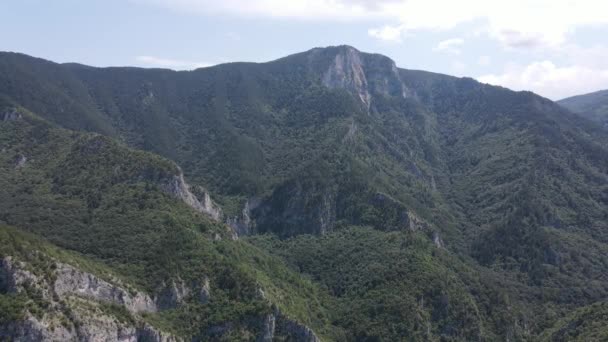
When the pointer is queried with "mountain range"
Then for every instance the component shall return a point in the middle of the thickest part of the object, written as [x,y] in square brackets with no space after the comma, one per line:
[325,196]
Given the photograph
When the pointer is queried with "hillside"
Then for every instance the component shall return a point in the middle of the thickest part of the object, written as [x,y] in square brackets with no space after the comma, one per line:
[114,210]
[408,204]
[593,106]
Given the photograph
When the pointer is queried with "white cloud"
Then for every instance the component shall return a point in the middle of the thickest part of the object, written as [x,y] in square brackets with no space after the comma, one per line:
[550,80]
[450,46]
[386,33]
[298,9]
[484,60]
[514,23]
[159,62]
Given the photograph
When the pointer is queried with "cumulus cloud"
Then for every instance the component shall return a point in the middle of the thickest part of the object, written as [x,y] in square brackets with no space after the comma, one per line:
[450,46]
[159,62]
[514,23]
[386,33]
[548,79]
[293,9]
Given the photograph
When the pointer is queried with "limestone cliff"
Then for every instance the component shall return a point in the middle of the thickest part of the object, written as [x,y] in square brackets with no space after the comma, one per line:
[364,75]
[69,304]
[196,197]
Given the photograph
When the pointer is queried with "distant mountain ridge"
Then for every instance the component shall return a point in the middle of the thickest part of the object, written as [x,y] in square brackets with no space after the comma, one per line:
[593,106]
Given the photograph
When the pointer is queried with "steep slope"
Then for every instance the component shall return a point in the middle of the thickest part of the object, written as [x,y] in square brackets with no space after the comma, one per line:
[181,270]
[593,106]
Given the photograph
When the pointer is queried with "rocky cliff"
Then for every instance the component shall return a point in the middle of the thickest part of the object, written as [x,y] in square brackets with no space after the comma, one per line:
[196,197]
[68,304]
[363,75]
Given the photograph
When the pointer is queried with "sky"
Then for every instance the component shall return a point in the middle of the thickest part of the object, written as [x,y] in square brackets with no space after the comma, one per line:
[556,48]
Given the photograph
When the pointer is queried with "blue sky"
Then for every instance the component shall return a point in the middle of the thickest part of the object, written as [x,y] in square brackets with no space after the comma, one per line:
[556,48]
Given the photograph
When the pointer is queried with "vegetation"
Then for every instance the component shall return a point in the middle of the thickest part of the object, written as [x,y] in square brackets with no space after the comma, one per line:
[585,324]
[446,210]
[104,203]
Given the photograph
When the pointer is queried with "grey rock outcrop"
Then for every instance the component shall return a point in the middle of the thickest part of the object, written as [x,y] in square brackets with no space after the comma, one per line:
[11,115]
[148,333]
[197,197]
[437,240]
[268,329]
[87,326]
[20,161]
[346,72]
[276,326]
[31,329]
[363,75]
[70,280]
[14,276]
[415,223]
[204,292]
[243,224]
[297,207]
[172,294]
[73,310]
[294,330]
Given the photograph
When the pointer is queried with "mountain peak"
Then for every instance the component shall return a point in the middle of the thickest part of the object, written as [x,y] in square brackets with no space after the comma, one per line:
[363,74]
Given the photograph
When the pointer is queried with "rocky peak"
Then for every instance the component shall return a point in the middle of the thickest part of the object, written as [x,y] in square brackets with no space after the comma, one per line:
[364,75]
[347,72]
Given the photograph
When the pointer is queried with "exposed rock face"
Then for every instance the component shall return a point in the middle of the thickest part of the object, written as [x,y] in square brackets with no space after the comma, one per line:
[14,276]
[297,208]
[416,223]
[276,326]
[244,224]
[350,134]
[437,240]
[205,291]
[197,198]
[88,326]
[11,115]
[70,280]
[82,293]
[172,295]
[147,333]
[363,75]
[347,72]
[269,326]
[20,161]
[31,329]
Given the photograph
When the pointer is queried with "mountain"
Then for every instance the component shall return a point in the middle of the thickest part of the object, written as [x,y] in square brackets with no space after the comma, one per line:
[593,106]
[366,202]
